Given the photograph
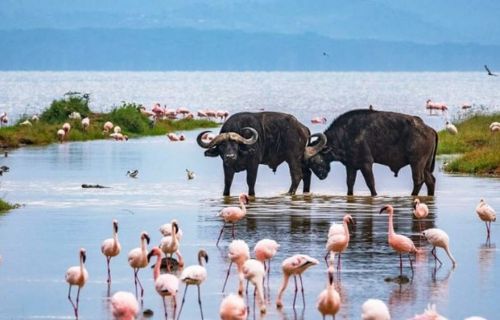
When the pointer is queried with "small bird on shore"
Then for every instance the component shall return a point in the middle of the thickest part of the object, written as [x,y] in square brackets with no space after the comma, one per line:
[133,173]
[190,174]
[451,128]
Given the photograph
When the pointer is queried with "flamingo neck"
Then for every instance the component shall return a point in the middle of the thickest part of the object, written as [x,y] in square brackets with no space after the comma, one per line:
[156,271]
[260,291]
[143,246]
[346,230]
[242,206]
[115,238]
[391,225]
[448,252]
[286,276]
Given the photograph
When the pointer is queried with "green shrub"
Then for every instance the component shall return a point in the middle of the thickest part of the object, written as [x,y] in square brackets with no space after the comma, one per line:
[5,206]
[128,117]
[59,110]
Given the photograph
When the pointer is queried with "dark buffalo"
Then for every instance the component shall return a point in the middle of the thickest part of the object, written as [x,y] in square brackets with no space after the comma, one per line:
[360,138]
[248,139]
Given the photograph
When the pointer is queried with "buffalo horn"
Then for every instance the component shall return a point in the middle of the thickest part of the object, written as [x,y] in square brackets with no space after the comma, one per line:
[311,151]
[238,138]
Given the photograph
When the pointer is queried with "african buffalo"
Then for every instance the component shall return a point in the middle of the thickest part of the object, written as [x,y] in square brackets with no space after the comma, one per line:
[360,138]
[248,139]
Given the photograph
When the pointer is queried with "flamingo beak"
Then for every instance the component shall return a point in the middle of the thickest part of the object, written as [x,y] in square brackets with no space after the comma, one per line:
[84,257]
[330,277]
[147,238]
[150,254]
[116,226]
[383,209]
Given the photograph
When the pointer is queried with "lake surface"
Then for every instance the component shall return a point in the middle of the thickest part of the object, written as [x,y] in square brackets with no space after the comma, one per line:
[39,241]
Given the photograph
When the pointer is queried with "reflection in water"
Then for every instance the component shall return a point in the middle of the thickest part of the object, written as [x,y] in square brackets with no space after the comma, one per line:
[487,253]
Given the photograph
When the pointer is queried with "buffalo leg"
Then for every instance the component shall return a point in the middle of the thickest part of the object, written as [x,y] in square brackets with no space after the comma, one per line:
[228,180]
[296,175]
[369,179]
[306,179]
[418,178]
[251,178]
[430,182]
[351,178]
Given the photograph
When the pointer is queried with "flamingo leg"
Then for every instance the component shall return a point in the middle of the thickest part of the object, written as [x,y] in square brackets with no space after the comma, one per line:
[246,289]
[326,258]
[183,299]
[108,259]
[411,262]
[70,300]
[400,265]
[295,294]
[233,232]
[268,272]
[135,281]
[199,302]
[77,301]
[302,289]
[139,282]
[220,234]
[227,276]
[433,251]
[338,262]
[164,307]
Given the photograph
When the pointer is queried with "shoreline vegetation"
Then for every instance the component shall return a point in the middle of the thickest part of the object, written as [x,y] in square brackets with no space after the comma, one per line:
[478,146]
[5,206]
[42,129]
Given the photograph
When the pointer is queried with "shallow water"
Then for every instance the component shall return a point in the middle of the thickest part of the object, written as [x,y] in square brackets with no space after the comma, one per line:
[39,241]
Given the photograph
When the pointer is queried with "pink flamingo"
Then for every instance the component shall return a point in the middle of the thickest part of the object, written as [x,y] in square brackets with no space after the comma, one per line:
[487,214]
[124,306]
[170,245]
[183,110]
[138,258]
[85,123]
[329,299]
[338,239]
[66,127]
[195,274]
[61,134]
[77,276]
[430,313]
[239,252]
[439,238]
[233,308]
[318,120]
[401,244]
[202,114]
[294,265]
[222,114]
[430,105]
[233,214]
[420,211]
[111,247]
[158,111]
[253,271]
[173,137]
[211,113]
[375,309]
[108,125]
[166,284]
[264,250]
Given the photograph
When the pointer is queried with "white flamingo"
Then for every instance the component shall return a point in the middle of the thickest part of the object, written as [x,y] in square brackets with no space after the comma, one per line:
[439,238]
[77,276]
[138,258]
[195,275]
[111,247]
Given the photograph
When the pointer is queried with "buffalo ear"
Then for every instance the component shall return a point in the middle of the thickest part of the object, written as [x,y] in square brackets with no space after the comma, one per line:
[212,152]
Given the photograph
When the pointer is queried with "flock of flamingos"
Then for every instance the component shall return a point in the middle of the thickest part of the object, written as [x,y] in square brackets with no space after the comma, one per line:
[125,305]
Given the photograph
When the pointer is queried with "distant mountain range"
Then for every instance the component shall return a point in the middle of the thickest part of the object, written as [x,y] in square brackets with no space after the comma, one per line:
[193,49]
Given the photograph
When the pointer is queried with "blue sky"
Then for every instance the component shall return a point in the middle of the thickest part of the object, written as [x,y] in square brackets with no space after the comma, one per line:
[423,21]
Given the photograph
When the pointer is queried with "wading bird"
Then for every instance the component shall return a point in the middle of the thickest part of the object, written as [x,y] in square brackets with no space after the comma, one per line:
[430,313]
[265,250]
[329,299]
[439,238]
[170,245]
[487,214]
[239,252]
[85,123]
[166,284]
[233,308]
[233,214]
[124,306]
[253,271]
[338,239]
[133,173]
[450,127]
[190,174]
[375,309]
[111,247]
[294,266]
[77,276]
[399,243]
[195,274]
[138,258]
[420,211]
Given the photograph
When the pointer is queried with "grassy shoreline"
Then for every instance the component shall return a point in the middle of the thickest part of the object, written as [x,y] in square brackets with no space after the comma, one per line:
[478,146]
[5,206]
[131,121]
